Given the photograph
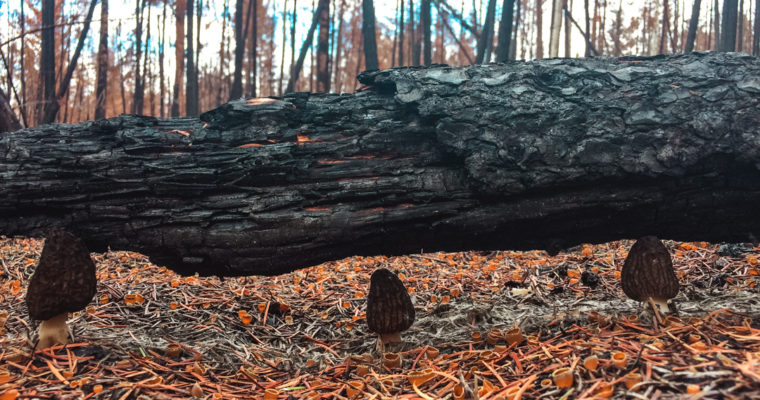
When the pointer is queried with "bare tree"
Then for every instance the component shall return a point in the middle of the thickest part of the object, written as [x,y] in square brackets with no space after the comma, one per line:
[253,56]
[665,26]
[539,29]
[617,30]
[323,73]
[740,28]
[756,34]
[568,29]
[304,49]
[401,35]
[282,57]
[368,32]
[414,36]
[8,120]
[240,35]
[728,26]
[102,61]
[518,21]
[51,110]
[505,30]
[588,28]
[47,59]
[426,40]
[716,22]
[486,36]
[693,25]
[179,55]
[137,100]
[146,76]
[161,53]
[338,84]
[554,28]
[191,84]
[22,102]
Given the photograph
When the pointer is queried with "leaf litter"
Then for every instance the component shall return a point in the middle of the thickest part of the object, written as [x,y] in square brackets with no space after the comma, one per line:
[490,325]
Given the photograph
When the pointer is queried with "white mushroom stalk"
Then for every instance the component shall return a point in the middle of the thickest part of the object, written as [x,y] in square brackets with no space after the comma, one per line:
[53,331]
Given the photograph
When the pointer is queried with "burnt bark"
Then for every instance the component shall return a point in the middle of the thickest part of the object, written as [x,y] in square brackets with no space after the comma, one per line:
[528,155]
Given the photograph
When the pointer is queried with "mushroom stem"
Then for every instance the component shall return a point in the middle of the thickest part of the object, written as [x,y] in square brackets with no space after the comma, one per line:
[394,337]
[662,305]
[53,331]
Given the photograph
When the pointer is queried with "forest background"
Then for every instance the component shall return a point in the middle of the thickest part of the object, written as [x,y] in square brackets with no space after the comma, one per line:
[72,61]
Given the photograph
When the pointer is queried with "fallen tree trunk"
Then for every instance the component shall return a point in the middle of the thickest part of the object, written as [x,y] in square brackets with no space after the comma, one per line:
[544,154]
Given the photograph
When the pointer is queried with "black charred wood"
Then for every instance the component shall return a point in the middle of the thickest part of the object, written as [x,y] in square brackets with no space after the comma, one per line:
[524,155]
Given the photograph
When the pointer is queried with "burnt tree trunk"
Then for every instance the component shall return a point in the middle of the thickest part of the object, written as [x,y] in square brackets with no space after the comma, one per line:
[544,154]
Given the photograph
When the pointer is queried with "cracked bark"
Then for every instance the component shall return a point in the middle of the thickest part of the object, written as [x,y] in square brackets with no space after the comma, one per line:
[537,155]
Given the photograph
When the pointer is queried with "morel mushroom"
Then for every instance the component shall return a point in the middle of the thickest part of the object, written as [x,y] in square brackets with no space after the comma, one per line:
[63,282]
[389,308]
[648,273]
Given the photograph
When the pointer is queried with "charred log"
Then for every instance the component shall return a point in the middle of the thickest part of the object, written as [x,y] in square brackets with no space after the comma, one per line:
[523,155]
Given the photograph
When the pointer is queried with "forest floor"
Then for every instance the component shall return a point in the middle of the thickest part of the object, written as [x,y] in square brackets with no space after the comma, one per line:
[152,334]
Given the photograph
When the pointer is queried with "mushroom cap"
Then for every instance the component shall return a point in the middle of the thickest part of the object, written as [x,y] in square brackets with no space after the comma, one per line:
[389,307]
[64,280]
[648,271]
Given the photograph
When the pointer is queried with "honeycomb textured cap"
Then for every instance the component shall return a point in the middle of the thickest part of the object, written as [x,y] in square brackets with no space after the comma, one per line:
[648,271]
[389,307]
[64,280]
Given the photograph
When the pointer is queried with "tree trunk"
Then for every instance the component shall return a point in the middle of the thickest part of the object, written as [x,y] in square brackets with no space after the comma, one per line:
[568,29]
[179,55]
[146,77]
[505,30]
[8,120]
[539,30]
[486,36]
[137,100]
[253,56]
[122,84]
[237,80]
[665,27]
[161,73]
[478,158]
[618,30]
[555,28]
[756,34]
[304,49]
[740,28]
[47,60]
[717,27]
[414,36]
[513,45]
[339,49]
[693,25]
[102,61]
[284,41]
[22,102]
[191,85]
[52,109]
[396,21]
[401,36]
[323,39]
[587,33]
[728,26]
[368,33]
[425,20]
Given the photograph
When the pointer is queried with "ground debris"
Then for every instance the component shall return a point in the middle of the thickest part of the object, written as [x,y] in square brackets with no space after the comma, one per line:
[500,325]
